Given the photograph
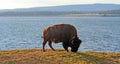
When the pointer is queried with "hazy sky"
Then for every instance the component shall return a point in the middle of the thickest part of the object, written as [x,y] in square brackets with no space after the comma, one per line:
[11,4]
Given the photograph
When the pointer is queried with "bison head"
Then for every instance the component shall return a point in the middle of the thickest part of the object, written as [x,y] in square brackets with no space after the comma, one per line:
[75,43]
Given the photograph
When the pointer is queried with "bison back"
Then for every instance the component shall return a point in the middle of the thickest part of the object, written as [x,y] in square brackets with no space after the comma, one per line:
[59,32]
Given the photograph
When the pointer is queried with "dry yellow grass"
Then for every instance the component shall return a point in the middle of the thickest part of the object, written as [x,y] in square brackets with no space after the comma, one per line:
[36,56]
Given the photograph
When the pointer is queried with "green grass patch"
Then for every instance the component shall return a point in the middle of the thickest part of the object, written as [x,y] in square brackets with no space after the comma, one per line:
[37,56]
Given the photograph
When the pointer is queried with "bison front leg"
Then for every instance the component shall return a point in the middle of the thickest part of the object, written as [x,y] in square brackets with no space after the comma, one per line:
[50,44]
[43,45]
[65,46]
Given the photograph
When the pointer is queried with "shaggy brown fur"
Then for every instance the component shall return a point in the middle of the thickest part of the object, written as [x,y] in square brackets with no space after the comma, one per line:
[59,33]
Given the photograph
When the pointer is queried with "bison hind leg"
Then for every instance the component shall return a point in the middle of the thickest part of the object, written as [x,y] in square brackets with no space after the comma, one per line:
[43,45]
[50,44]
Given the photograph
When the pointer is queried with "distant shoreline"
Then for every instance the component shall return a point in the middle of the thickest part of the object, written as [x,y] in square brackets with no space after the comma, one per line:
[66,15]
[93,15]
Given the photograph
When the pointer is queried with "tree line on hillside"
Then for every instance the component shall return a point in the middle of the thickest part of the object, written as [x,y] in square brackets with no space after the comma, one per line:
[58,13]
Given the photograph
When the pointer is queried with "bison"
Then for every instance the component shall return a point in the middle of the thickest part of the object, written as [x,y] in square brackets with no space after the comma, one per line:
[65,33]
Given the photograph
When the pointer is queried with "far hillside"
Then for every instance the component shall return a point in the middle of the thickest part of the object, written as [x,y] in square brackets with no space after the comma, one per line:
[66,10]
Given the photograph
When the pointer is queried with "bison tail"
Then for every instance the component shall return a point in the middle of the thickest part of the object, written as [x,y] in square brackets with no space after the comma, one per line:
[42,37]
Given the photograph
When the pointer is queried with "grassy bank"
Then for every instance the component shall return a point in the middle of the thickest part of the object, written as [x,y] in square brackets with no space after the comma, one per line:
[36,56]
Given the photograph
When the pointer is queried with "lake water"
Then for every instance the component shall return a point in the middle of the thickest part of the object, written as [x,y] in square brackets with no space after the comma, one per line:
[97,33]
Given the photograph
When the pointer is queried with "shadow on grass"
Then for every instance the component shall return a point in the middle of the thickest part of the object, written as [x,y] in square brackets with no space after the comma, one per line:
[95,59]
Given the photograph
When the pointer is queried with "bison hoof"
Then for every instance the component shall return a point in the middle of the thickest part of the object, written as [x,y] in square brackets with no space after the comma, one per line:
[43,50]
[67,51]
[53,49]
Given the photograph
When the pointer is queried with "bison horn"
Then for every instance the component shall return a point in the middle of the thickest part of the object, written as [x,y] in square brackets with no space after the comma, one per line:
[73,39]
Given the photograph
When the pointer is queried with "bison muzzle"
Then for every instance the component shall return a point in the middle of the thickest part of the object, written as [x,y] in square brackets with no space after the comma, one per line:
[65,33]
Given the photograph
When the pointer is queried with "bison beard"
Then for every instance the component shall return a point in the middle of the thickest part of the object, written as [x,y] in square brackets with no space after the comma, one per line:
[65,33]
